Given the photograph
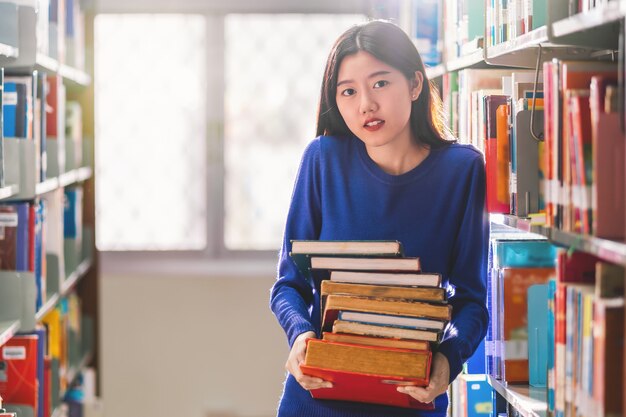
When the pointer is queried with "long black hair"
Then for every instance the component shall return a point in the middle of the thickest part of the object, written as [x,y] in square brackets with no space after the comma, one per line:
[389,44]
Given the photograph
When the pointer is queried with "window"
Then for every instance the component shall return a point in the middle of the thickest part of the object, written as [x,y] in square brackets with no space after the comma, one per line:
[274,68]
[150,82]
[200,125]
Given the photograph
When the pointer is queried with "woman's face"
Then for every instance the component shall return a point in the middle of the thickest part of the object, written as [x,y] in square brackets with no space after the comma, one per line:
[375,99]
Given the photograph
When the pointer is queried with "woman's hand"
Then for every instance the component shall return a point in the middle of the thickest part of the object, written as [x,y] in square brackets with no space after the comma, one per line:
[439,380]
[296,357]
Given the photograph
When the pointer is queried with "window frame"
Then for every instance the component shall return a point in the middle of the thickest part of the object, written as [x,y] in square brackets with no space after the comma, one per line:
[215,257]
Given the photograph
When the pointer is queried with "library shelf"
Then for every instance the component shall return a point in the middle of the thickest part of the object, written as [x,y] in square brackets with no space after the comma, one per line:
[74,277]
[9,191]
[66,287]
[608,250]
[600,16]
[46,186]
[436,71]
[67,178]
[527,400]
[8,329]
[47,307]
[467,61]
[71,74]
[72,373]
[8,51]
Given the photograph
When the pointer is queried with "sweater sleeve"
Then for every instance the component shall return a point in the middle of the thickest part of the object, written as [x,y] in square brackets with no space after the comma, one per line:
[470,316]
[292,297]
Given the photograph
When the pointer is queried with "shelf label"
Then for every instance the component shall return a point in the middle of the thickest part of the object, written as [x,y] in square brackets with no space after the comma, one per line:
[12,353]
[8,219]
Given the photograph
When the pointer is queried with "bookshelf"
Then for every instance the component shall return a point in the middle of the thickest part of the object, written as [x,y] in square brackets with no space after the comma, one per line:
[527,400]
[72,274]
[8,51]
[589,35]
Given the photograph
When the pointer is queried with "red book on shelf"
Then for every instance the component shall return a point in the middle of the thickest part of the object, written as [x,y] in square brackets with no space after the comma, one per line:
[19,356]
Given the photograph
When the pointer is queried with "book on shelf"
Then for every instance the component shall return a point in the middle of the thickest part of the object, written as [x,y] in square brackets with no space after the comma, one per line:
[19,386]
[435,294]
[608,203]
[367,373]
[376,341]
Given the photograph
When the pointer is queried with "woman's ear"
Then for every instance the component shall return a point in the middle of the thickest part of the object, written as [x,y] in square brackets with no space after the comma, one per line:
[416,85]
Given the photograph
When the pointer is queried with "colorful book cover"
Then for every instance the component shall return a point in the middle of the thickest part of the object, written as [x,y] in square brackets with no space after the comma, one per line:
[516,282]
[9,109]
[19,384]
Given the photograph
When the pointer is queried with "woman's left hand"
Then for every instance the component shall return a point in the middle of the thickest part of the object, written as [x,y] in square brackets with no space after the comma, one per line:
[439,380]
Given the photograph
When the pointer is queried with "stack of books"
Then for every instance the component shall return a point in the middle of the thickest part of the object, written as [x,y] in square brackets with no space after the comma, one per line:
[380,319]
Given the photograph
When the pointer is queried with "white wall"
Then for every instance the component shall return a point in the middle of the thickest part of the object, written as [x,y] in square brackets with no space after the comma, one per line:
[190,346]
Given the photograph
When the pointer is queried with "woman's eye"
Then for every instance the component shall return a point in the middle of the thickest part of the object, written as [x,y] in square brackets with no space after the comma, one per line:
[381,83]
[348,92]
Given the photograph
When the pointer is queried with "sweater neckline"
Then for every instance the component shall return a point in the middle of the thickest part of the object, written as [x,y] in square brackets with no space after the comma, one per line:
[372,167]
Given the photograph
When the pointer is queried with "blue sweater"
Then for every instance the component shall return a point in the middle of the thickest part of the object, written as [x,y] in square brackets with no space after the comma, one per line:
[436,210]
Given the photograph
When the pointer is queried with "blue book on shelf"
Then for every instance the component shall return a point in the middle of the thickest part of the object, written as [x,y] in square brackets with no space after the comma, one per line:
[39,278]
[9,108]
[427,17]
[72,221]
[23,216]
[525,254]
[538,334]
[551,344]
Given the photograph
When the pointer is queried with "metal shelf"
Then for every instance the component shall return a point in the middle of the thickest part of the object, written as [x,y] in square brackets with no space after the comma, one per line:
[75,276]
[527,400]
[71,74]
[67,178]
[8,51]
[436,71]
[608,250]
[9,191]
[8,329]
[50,303]
[611,12]
[471,60]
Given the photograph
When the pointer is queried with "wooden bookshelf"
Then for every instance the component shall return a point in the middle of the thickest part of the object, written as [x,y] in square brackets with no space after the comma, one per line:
[527,400]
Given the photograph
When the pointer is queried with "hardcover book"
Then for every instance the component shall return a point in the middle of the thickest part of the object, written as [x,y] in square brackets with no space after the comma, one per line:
[336,303]
[387,278]
[366,373]
[383,291]
[376,341]
[377,330]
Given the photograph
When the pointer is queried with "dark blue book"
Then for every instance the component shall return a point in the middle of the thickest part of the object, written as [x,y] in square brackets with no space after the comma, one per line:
[9,108]
[21,111]
[72,220]
[39,278]
[23,217]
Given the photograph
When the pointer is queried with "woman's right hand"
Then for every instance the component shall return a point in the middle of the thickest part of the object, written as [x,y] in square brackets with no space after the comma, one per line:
[296,357]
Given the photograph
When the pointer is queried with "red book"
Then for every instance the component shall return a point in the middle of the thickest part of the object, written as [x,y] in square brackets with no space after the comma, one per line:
[20,357]
[375,389]
[368,374]
[494,204]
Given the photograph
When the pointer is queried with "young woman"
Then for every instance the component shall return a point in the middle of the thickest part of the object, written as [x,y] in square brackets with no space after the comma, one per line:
[383,169]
